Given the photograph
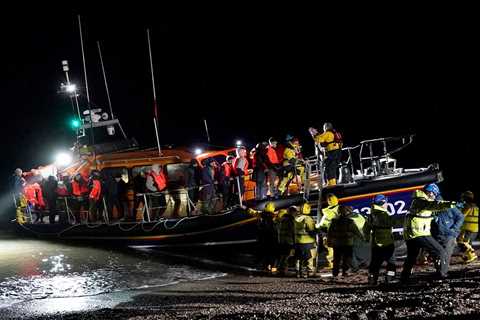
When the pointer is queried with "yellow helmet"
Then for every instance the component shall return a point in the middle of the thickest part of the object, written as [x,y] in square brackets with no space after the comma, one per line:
[306,208]
[270,207]
[332,199]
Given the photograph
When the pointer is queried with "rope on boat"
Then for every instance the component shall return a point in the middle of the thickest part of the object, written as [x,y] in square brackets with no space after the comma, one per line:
[119,224]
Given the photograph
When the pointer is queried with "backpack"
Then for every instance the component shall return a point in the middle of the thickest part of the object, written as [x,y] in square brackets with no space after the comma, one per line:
[337,137]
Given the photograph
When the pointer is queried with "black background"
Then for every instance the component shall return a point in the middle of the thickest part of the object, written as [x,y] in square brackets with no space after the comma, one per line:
[252,74]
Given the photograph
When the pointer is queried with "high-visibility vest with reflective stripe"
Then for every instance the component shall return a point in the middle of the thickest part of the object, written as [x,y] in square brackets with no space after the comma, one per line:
[304,229]
[418,221]
[380,224]
[471,218]
[329,214]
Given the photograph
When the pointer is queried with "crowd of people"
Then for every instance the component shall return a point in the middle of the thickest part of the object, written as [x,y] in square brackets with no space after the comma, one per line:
[271,165]
[93,197]
[433,228]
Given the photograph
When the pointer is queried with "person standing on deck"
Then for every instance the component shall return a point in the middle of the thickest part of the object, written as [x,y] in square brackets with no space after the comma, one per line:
[226,181]
[208,185]
[50,193]
[80,193]
[94,196]
[292,166]
[157,183]
[240,167]
[331,141]
[260,171]
[273,165]
[139,187]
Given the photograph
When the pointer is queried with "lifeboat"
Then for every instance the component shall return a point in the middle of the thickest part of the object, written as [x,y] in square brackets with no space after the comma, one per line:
[181,222]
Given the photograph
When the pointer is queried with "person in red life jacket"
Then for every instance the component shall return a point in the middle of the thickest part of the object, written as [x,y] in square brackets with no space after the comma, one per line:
[79,195]
[225,181]
[240,168]
[260,171]
[157,182]
[33,195]
[95,195]
[273,165]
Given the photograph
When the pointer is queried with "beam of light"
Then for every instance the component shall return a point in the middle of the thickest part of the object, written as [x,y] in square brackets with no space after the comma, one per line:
[63,159]
[198,151]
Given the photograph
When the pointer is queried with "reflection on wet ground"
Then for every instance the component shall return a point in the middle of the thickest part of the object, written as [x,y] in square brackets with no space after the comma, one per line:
[34,269]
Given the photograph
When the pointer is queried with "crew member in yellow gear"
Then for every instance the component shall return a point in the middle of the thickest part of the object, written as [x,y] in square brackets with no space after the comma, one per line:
[21,209]
[305,242]
[328,214]
[378,228]
[286,238]
[267,237]
[417,230]
[292,165]
[331,142]
[469,230]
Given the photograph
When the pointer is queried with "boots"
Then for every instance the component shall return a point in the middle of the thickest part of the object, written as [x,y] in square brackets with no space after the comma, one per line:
[389,277]
[373,279]
[469,256]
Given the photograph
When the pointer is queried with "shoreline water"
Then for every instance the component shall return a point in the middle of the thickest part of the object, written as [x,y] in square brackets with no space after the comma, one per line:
[237,296]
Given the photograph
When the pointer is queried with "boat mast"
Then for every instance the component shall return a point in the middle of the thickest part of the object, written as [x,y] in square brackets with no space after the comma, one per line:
[106,88]
[206,129]
[72,88]
[155,118]
[92,137]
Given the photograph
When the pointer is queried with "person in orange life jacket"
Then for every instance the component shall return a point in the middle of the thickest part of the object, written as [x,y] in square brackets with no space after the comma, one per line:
[157,182]
[79,193]
[39,194]
[95,195]
[50,192]
[330,141]
[273,165]
[240,168]
[259,171]
[225,181]
[34,197]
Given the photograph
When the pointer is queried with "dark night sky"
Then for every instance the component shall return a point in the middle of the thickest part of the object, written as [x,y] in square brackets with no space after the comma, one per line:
[252,75]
